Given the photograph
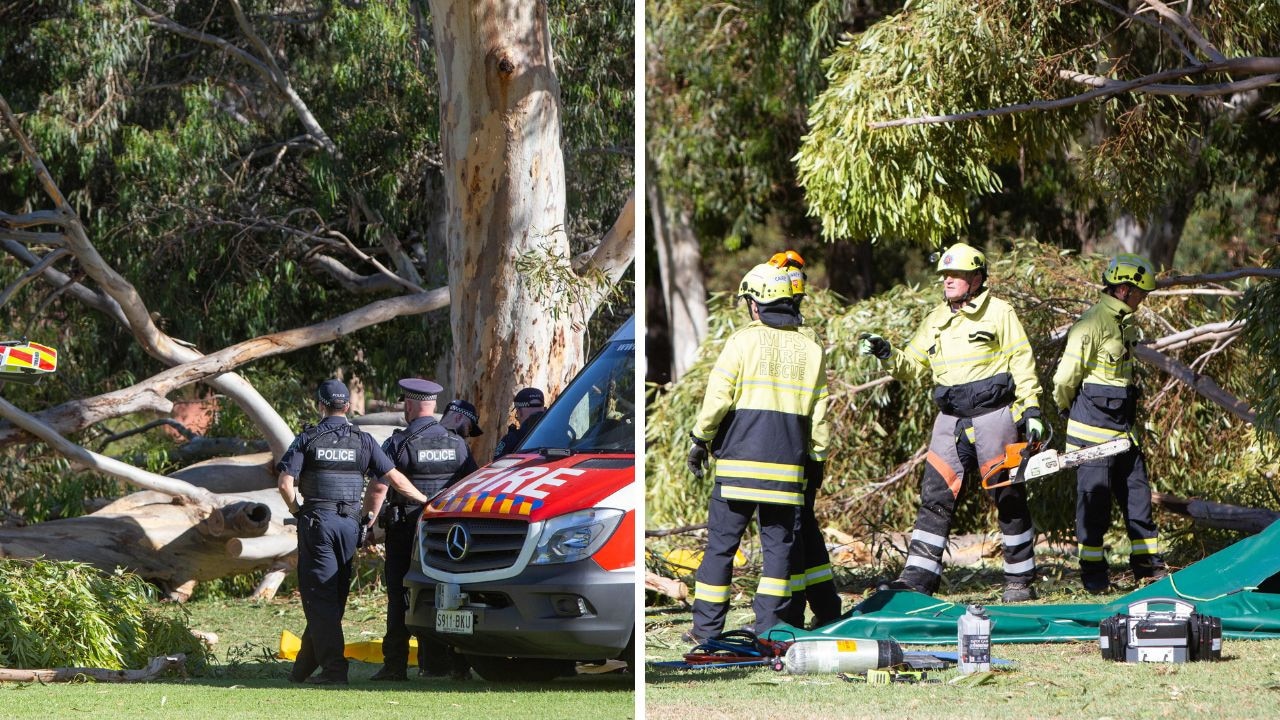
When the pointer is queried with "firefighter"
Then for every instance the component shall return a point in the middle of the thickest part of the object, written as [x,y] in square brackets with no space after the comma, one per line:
[433,458]
[812,580]
[330,460]
[763,417]
[530,406]
[985,388]
[1094,380]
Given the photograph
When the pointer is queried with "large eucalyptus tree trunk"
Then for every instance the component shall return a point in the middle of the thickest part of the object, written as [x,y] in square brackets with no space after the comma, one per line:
[680,270]
[504,172]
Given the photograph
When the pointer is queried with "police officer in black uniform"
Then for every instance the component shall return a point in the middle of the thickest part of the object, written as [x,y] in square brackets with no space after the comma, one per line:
[530,406]
[330,461]
[461,417]
[433,458]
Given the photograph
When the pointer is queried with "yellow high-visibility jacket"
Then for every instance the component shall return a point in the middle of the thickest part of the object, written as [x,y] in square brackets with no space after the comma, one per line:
[979,358]
[765,413]
[1099,351]
[1095,375]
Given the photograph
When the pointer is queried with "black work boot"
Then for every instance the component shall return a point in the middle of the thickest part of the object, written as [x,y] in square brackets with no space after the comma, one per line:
[689,637]
[1018,591]
[901,583]
[1094,577]
[1148,567]
[1095,584]
[386,673]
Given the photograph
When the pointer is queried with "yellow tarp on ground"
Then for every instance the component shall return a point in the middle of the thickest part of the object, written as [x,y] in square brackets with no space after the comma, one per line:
[369,651]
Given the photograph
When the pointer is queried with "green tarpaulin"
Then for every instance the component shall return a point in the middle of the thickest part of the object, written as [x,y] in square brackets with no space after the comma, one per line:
[1240,584]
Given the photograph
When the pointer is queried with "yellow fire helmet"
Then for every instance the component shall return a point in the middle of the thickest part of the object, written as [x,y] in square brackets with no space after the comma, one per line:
[1132,269]
[766,284]
[961,258]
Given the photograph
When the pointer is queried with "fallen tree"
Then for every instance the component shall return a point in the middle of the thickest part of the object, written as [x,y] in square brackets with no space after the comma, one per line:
[173,533]
[177,533]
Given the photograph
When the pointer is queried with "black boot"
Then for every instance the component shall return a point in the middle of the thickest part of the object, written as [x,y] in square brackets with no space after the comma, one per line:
[1018,591]
[1094,577]
[386,673]
[1148,567]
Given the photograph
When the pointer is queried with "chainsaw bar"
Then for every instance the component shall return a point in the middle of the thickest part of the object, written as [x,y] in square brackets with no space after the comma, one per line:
[1050,461]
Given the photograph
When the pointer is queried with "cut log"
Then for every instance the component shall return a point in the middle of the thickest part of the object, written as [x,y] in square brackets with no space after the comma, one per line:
[171,541]
[666,586]
[272,580]
[155,668]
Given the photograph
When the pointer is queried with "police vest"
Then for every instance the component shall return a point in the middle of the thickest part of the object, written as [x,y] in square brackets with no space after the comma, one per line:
[429,459]
[333,464]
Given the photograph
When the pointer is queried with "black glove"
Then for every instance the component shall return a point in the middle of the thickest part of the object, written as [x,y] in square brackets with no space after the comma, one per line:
[698,458]
[814,471]
[1031,426]
[875,345]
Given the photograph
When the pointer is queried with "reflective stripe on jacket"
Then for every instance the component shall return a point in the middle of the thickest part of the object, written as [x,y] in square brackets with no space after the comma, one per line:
[1095,376]
[979,358]
[1099,351]
[764,413]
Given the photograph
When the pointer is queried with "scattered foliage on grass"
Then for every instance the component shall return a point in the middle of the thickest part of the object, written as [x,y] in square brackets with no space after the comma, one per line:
[69,614]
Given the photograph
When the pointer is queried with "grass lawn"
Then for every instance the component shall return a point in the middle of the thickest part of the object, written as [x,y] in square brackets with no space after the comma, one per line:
[1050,680]
[247,682]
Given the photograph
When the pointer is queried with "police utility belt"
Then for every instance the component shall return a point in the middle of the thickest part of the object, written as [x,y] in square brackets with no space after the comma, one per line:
[342,507]
[396,513]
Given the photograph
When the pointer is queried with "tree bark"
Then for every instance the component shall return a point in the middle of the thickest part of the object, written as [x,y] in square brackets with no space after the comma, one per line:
[150,394]
[680,271]
[504,174]
[171,541]
[155,668]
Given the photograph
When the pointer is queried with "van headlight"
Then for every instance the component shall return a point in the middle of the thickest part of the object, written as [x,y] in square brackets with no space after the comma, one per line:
[575,536]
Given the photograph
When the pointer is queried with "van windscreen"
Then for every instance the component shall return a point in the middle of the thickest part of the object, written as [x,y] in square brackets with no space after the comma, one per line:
[596,413]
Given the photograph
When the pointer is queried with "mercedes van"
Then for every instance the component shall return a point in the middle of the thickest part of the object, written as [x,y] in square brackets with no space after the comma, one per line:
[527,566]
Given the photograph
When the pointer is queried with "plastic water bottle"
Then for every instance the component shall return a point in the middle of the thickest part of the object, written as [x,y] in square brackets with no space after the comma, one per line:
[973,636]
[811,657]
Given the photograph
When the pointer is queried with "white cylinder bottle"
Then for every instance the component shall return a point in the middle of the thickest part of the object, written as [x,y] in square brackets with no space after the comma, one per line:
[810,657]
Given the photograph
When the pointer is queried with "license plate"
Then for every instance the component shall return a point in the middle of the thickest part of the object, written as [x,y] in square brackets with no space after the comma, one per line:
[454,622]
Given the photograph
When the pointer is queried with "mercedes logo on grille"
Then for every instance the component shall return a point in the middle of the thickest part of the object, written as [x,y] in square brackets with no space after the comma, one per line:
[457,542]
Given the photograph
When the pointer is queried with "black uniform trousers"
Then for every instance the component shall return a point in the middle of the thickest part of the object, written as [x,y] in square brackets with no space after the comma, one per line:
[1099,412]
[1125,477]
[726,521]
[811,555]
[326,544]
[434,657]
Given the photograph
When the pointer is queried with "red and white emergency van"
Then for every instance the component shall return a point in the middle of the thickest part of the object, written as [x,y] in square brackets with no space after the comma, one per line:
[527,566]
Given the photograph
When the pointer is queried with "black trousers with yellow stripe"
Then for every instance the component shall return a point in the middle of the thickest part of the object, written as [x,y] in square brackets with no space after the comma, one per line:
[1125,477]
[812,580]
[1100,413]
[726,521]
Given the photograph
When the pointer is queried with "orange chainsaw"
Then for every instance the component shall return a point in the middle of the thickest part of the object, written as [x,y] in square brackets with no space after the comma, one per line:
[1029,460]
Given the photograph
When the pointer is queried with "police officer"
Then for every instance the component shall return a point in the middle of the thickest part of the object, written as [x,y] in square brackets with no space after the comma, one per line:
[1095,380]
[985,387]
[530,407]
[433,458]
[763,417]
[812,579]
[462,419]
[329,461]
